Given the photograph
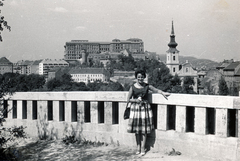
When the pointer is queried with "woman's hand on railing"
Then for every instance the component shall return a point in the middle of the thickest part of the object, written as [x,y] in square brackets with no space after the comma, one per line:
[165,94]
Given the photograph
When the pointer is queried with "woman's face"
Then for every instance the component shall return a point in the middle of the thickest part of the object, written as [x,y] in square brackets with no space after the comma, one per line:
[140,78]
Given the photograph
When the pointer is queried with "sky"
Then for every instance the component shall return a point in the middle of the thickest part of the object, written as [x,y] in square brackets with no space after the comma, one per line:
[40,28]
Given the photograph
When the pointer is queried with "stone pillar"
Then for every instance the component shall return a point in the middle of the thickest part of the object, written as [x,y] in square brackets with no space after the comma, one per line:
[55,110]
[80,120]
[238,127]
[181,119]
[108,112]
[221,122]
[42,110]
[68,111]
[29,110]
[162,117]
[94,112]
[10,106]
[200,120]
[19,109]
[122,123]
[80,112]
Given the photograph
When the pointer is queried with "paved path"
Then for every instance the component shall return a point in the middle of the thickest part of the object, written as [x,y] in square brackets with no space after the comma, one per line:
[57,150]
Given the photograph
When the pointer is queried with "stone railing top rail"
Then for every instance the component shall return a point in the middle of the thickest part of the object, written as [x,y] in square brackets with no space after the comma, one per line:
[229,102]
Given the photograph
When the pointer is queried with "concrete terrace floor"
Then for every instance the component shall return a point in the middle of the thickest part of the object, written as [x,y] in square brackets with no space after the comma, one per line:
[56,150]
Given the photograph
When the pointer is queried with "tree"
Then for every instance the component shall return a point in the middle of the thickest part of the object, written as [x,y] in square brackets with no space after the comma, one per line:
[176,84]
[223,88]
[96,85]
[188,83]
[53,84]
[3,23]
[112,86]
[21,82]
[161,78]
[81,86]
[7,134]
[148,65]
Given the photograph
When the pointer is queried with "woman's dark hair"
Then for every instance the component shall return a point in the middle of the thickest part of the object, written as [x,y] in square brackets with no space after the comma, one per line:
[141,72]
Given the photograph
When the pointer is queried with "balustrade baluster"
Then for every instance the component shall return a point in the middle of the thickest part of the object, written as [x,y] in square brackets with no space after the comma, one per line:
[68,111]
[221,122]
[181,118]
[162,117]
[29,110]
[108,113]
[200,120]
[56,110]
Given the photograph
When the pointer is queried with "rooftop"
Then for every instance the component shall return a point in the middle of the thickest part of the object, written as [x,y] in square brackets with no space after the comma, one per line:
[88,71]
[53,61]
[4,61]
[232,66]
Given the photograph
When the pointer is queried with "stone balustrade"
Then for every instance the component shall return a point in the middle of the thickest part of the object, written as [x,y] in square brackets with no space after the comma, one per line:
[192,124]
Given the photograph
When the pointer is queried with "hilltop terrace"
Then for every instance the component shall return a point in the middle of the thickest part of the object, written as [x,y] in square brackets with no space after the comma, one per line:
[203,125]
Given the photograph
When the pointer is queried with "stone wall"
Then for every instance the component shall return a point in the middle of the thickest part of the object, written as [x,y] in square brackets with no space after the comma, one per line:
[192,124]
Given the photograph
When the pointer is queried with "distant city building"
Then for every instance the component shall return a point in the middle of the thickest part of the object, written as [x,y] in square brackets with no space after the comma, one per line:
[231,74]
[23,67]
[102,58]
[47,64]
[87,75]
[35,67]
[57,72]
[26,67]
[210,82]
[139,56]
[201,75]
[187,70]
[74,48]
[151,55]
[224,64]
[118,73]
[5,65]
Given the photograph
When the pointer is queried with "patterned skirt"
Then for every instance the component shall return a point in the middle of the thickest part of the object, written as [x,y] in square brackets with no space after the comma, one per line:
[140,119]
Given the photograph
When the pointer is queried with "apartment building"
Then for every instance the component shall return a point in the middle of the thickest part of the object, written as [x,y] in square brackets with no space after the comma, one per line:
[47,64]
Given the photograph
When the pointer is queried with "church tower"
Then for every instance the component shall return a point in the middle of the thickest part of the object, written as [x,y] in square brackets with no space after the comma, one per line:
[172,60]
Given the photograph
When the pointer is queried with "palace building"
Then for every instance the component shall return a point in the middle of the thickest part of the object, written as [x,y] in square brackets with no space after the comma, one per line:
[75,48]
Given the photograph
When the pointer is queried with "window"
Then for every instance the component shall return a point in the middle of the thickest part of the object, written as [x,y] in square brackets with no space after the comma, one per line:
[173,57]
[173,69]
[186,70]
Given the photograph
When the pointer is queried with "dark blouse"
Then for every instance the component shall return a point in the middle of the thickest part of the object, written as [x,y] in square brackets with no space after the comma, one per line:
[140,92]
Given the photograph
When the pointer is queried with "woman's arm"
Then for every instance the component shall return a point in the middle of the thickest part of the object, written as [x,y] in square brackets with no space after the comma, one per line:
[155,90]
[129,98]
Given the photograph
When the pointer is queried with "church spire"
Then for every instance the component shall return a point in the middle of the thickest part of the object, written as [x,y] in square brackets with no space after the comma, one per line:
[172,33]
[172,44]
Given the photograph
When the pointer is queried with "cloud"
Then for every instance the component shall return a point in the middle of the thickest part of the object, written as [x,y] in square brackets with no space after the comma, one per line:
[86,10]
[80,28]
[83,11]
[14,3]
[59,9]
[140,12]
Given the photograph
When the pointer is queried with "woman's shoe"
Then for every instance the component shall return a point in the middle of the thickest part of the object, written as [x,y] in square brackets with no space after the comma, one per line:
[138,152]
[143,153]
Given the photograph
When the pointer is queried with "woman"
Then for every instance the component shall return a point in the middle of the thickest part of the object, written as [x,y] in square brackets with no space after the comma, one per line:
[141,117]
